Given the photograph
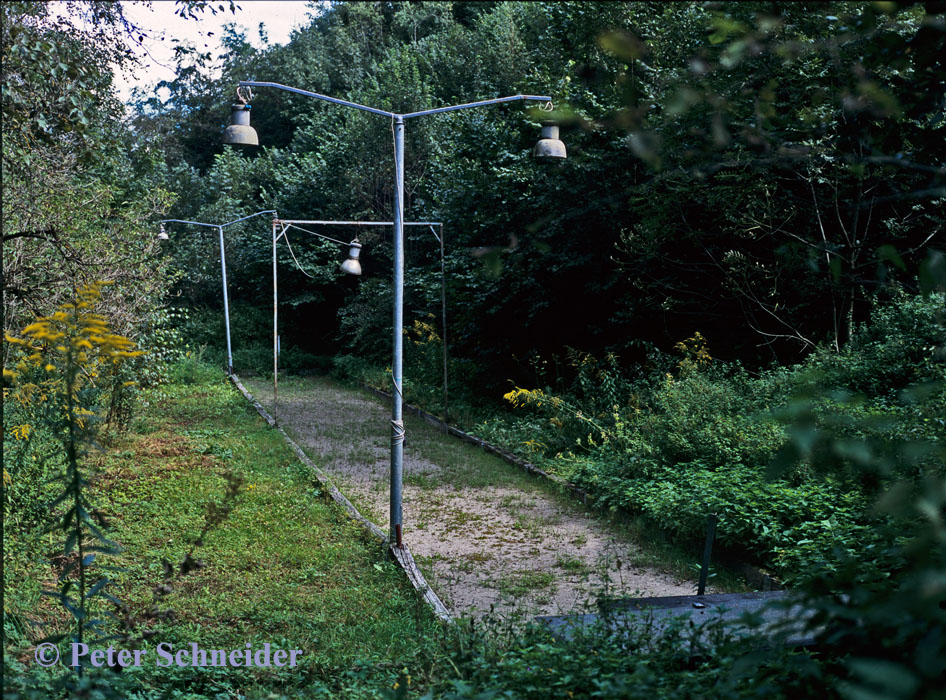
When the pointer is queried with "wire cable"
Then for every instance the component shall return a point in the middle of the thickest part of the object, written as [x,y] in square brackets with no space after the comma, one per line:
[313,233]
[289,245]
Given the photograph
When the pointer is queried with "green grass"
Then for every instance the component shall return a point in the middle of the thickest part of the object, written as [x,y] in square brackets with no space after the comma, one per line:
[525,582]
[571,564]
[287,567]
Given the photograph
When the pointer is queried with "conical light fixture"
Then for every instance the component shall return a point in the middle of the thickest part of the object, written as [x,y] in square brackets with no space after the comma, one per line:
[549,146]
[240,133]
[162,234]
[352,266]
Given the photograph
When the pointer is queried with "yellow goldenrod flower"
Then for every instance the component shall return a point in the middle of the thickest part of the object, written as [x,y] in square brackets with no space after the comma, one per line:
[73,338]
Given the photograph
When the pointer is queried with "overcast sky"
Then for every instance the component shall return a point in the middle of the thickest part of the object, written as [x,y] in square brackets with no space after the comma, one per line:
[278,17]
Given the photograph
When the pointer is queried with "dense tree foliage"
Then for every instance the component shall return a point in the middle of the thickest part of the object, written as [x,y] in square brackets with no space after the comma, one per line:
[755,172]
[76,207]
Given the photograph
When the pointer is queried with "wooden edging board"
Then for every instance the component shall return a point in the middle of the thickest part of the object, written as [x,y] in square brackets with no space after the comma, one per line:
[755,576]
[401,555]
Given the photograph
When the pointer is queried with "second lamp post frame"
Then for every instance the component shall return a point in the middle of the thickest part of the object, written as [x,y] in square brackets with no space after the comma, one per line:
[549,147]
[223,266]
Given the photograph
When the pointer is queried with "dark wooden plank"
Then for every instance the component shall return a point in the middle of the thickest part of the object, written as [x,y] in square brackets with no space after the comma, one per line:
[773,614]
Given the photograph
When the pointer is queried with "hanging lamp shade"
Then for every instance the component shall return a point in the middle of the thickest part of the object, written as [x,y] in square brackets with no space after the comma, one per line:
[549,146]
[352,266]
[162,234]
[240,133]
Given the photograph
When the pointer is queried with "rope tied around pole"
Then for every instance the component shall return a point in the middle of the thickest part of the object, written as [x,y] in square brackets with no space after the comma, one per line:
[397,437]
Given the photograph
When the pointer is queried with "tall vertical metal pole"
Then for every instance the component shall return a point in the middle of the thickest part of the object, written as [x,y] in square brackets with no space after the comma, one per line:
[397,420]
[226,301]
[275,333]
[707,552]
[443,327]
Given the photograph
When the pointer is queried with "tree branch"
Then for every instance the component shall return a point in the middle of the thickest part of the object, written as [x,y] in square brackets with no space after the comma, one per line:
[44,234]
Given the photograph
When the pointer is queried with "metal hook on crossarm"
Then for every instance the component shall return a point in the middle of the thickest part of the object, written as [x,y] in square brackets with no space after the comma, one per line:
[244,94]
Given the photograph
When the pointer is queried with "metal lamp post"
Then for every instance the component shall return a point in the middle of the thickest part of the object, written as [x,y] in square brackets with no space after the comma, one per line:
[163,236]
[241,119]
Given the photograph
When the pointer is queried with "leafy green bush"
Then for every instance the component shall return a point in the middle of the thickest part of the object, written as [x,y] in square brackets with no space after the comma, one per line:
[253,359]
[365,320]
[703,415]
[525,435]
[32,457]
[251,335]
[423,363]
[201,325]
[710,417]
[901,345]
[192,369]
[790,527]
[682,444]
[359,371]
[622,659]
[164,343]
[292,359]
